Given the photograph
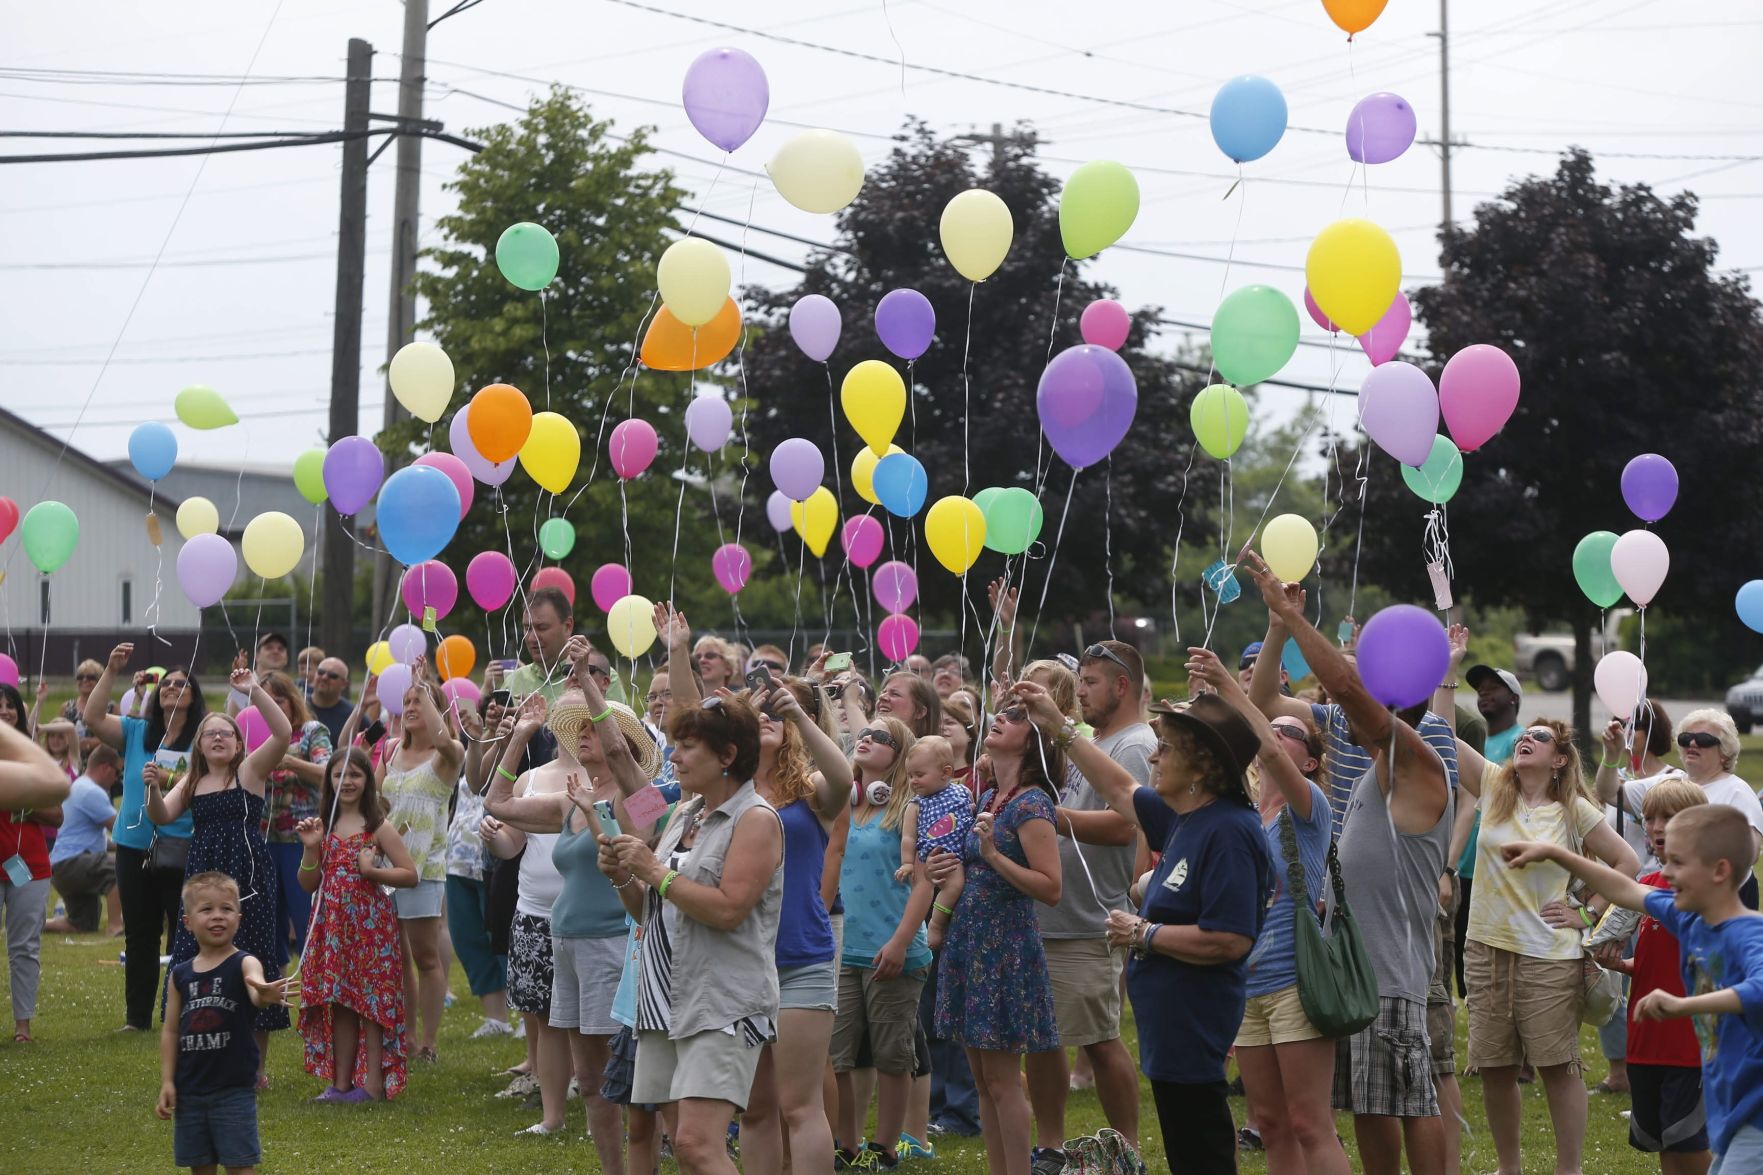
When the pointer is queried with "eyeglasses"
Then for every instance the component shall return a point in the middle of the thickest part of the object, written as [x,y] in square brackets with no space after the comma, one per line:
[876,734]
[1539,734]
[774,666]
[709,655]
[1698,738]
[173,683]
[663,696]
[600,671]
[85,677]
[1101,650]
[1294,732]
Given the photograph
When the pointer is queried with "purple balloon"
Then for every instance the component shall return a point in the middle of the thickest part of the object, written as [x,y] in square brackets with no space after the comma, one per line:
[407,643]
[1086,400]
[815,325]
[777,511]
[726,96]
[895,585]
[207,566]
[430,585]
[490,579]
[1380,128]
[353,469]
[731,565]
[392,686]
[708,421]
[1399,409]
[797,469]
[1649,486]
[1317,316]
[1403,653]
[491,473]
[862,540]
[905,323]
[1382,341]
[611,583]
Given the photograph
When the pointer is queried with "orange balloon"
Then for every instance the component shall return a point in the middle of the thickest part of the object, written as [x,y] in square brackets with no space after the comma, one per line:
[499,421]
[669,345]
[1355,16]
[455,658]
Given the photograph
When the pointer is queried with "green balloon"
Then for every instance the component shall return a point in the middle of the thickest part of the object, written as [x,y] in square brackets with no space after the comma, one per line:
[309,476]
[49,533]
[1591,567]
[1099,203]
[1013,520]
[1220,420]
[984,500]
[1254,334]
[203,408]
[1437,480]
[556,538]
[526,253]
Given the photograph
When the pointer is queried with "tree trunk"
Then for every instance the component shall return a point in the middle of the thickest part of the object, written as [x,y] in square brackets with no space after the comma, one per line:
[1582,684]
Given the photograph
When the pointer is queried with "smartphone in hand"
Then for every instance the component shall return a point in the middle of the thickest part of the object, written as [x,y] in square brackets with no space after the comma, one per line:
[837,663]
[608,821]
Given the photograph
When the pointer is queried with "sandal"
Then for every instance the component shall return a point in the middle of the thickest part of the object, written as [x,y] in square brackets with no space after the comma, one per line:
[428,1054]
[21,1038]
[1606,1087]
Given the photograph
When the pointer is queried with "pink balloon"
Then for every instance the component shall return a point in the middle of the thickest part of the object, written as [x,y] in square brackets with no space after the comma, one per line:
[1382,341]
[253,726]
[862,540]
[461,692]
[1478,392]
[1105,323]
[897,636]
[1640,561]
[457,471]
[632,447]
[731,565]
[1316,314]
[430,585]
[895,585]
[8,671]
[490,579]
[611,583]
[1399,409]
[491,473]
[556,577]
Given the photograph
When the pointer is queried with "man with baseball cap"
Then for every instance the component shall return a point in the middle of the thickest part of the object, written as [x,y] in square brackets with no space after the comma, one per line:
[1497,694]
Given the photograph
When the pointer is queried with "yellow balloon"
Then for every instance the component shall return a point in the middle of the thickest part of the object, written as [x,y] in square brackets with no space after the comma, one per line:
[273,544]
[1288,544]
[630,626]
[816,519]
[421,376]
[976,231]
[197,516]
[379,657]
[874,399]
[201,407]
[552,452]
[1354,273]
[817,171]
[693,277]
[955,530]
[863,472]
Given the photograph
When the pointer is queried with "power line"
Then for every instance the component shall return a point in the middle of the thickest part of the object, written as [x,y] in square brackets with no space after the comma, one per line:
[315,139]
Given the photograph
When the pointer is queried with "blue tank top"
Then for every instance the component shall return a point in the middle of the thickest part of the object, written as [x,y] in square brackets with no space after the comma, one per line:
[587,906]
[217,1045]
[804,933]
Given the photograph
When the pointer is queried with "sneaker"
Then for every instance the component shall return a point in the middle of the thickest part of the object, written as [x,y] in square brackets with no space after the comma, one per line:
[911,1148]
[1249,1139]
[522,1085]
[843,1158]
[447,1000]
[873,1158]
[520,1028]
[492,1028]
[355,1097]
[1044,1160]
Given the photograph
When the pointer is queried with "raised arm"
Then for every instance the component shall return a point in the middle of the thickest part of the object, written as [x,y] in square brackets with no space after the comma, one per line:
[832,771]
[1204,665]
[1112,782]
[29,778]
[447,748]
[526,813]
[1609,779]
[682,681]
[1264,691]
[1007,644]
[99,720]
[268,755]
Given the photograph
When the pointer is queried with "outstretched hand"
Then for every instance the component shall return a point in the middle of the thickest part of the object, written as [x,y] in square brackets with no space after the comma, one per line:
[1004,599]
[1042,710]
[1283,600]
[1458,635]
[671,625]
[1520,853]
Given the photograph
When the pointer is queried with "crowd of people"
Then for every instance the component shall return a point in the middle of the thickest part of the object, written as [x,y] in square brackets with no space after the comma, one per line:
[735,912]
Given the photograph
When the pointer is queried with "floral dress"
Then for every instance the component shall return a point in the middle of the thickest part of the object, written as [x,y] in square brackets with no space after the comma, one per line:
[992,986]
[289,798]
[352,959]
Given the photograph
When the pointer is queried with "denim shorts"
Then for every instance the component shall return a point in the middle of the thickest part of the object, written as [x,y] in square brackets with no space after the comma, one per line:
[218,1127]
[422,900]
[813,986]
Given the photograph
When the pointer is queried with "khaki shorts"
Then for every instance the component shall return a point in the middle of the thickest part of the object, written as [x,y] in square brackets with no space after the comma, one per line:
[1275,1018]
[1086,988]
[1441,1012]
[1521,1008]
[885,1012]
[712,1064]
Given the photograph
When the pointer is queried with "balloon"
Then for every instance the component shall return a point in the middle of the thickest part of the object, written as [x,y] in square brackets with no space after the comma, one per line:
[1403,653]
[455,657]
[1086,400]
[490,578]
[1591,568]
[1399,409]
[816,519]
[498,423]
[272,544]
[418,513]
[874,399]
[726,95]
[457,472]
[1380,128]
[976,230]
[1316,314]
[895,585]
[309,476]
[491,473]
[897,636]
[863,472]
[203,408]
[407,642]
[631,447]
[461,691]
[197,516]
[1105,323]
[526,253]
[252,728]
[1096,207]
[955,531]
[906,323]
[1254,334]
[556,577]
[1354,16]
[379,658]
[1649,486]
[8,671]
[797,468]
[207,567]
[1355,272]
[1749,603]
[430,585]
[556,537]
[1289,545]
[9,518]
[1382,341]
[1248,117]
[1639,561]
[1220,420]
[553,451]
[777,510]
[630,626]
[862,540]
[153,449]
[1013,520]
[1621,681]
[393,684]
[671,345]
[1477,392]
[49,533]
[901,484]
[815,326]
[610,584]
[817,171]
[731,565]
[694,279]
[1439,476]
[422,378]
[353,468]
[708,420]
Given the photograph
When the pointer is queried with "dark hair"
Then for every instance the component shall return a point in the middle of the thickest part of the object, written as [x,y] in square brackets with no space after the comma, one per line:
[1200,754]
[554,598]
[924,696]
[1653,725]
[372,810]
[155,714]
[962,713]
[1133,670]
[11,694]
[722,724]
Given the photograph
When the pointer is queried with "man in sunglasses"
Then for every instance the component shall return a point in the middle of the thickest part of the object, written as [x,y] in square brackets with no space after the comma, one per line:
[1246,668]
[330,695]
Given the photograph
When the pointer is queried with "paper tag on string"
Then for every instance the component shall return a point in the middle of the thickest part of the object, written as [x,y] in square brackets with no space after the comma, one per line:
[153,532]
[428,618]
[1224,585]
[1344,633]
[1441,585]
[646,806]
[17,871]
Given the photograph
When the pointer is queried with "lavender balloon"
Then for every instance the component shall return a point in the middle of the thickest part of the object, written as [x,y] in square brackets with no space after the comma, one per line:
[1382,341]
[1086,400]
[708,420]
[1399,409]
[815,326]
[797,469]
[895,585]
[777,511]
[207,566]
[1649,486]
[726,95]
[1403,654]
[353,470]
[905,322]
[1380,128]
[491,473]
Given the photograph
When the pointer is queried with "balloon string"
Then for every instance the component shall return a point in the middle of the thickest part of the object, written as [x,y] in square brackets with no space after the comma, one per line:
[746,400]
[966,409]
[1230,256]
[1181,522]
[832,420]
[801,568]
[1108,540]
[152,613]
[1052,560]
[312,579]
[631,366]
[544,341]
[1044,466]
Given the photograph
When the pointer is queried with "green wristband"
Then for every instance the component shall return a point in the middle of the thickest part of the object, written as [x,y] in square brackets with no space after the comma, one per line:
[1610,762]
[596,719]
[942,909]
[510,776]
[665,882]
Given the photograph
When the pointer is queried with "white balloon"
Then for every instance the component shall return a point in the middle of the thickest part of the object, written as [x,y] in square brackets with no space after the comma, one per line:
[1640,561]
[1621,681]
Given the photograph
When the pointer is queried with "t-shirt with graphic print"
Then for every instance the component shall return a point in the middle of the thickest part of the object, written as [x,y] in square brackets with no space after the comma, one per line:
[217,1042]
[944,818]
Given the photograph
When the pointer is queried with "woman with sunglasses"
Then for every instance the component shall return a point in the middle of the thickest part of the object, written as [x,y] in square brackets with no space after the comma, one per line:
[715,660]
[85,680]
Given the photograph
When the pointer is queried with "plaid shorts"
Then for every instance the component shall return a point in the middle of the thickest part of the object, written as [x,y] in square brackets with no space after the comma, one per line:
[1386,1069]
[531,969]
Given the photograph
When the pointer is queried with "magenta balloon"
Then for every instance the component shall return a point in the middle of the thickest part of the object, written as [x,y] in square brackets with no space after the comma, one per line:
[1399,409]
[905,322]
[1403,654]
[726,95]
[207,566]
[556,577]
[457,471]
[430,585]
[708,421]
[490,579]
[777,511]
[731,565]
[862,540]
[1316,314]
[897,636]
[491,473]
[632,447]
[1086,400]
[253,727]
[611,583]
[815,325]
[461,691]
[8,671]
[1105,323]
[353,469]
[1380,128]
[797,469]
[1382,341]
[895,585]
[407,642]
[1649,486]
[1477,392]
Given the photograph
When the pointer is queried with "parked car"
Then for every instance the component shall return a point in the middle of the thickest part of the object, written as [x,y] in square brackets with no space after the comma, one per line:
[1547,658]
[1744,702]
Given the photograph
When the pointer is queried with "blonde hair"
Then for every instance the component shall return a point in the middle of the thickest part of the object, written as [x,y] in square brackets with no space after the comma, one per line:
[939,747]
[1060,682]
[793,775]
[1723,727]
[1718,832]
[894,815]
[1668,797]
[1567,785]
[213,879]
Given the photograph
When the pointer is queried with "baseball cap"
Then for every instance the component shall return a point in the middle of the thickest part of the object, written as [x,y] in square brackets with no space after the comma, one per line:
[1250,652]
[1481,673]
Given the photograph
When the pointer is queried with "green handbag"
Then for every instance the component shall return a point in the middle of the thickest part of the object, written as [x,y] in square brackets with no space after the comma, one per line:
[1335,980]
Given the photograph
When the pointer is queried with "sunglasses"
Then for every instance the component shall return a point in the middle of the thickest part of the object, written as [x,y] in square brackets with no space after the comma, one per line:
[600,671]
[1012,714]
[1103,651]
[1698,738]
[85,677]
[876,734]
[774,666]
[1294,732]
[1539,734]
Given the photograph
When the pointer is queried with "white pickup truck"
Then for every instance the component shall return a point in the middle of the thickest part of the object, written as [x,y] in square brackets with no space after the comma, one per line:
[1547,658]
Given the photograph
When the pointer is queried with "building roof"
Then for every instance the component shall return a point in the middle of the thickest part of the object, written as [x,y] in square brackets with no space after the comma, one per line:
[83,460]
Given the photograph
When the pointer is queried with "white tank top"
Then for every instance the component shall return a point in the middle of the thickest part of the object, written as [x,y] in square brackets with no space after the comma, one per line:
[540,883]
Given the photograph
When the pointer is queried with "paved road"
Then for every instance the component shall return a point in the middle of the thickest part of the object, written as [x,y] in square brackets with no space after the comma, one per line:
[1537,704]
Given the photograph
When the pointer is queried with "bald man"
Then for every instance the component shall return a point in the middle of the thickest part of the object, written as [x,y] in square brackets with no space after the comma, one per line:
[330,695]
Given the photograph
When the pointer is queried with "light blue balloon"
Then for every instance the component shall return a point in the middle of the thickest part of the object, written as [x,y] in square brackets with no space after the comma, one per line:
[1750,605]
[1293,659]
[154,450]
[1248,117]
[901,484]
[418,513]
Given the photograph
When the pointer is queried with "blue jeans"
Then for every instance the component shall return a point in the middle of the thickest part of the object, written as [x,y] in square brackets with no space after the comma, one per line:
[468,923]
[218,1127]
[1744,1153]
[954,1102]
[292,904]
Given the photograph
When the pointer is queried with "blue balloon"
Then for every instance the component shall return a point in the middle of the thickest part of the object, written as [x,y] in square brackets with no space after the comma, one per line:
[1292,658]
[154,450]
[418,512]
[1750,605]
[901,484]
[1248,117]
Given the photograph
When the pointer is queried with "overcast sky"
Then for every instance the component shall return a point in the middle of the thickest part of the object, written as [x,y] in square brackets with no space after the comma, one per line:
[242,297]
